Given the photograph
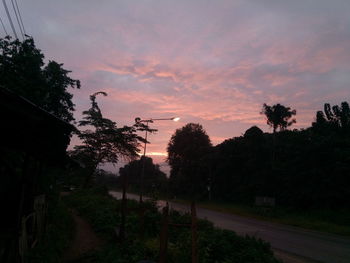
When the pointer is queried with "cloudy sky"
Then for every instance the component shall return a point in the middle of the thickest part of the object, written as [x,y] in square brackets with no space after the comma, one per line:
[209,62]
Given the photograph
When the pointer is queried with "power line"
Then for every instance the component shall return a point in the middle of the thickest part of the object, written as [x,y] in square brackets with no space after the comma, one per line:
[19,24]
[3,26]
[20,18]
[9,17]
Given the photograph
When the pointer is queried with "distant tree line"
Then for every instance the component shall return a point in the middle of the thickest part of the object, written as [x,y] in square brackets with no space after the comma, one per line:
[154,181]
[307,168]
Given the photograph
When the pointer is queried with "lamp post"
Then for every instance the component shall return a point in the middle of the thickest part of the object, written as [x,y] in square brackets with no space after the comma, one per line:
[123,206]
[147,121]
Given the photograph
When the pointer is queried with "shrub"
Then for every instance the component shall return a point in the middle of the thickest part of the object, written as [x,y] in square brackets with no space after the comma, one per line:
[214,245]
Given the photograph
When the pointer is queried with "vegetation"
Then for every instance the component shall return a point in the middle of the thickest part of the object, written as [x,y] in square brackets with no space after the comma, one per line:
[34,96]
[324,220]
[301,169]
[186,151]
[106,143]
[310,168]
[58,234]
[215,245]
[334,118]
[23,71]
[154,179]
[278,116]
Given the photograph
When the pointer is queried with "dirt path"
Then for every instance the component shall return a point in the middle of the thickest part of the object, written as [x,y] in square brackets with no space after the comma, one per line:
[85,239]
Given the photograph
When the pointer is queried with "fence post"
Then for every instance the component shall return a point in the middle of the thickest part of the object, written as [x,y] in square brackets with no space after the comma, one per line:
[194,232]
[123,211]
[142,219]
[164,235]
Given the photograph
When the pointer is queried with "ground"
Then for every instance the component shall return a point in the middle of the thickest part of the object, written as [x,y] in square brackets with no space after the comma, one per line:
[85,239]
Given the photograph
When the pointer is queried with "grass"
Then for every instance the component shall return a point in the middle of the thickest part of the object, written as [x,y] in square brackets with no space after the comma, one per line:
[328,221]
[59,231]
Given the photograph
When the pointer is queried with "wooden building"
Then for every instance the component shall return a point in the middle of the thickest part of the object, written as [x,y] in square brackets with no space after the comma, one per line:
[32,143]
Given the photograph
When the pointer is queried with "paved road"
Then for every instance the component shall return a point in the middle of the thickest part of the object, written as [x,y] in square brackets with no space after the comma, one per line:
[327,248]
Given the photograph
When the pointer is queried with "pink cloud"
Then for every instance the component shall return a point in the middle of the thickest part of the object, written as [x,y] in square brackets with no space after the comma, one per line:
[215,64]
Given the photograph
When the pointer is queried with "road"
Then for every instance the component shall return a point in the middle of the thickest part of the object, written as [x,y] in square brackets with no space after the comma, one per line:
[313,245]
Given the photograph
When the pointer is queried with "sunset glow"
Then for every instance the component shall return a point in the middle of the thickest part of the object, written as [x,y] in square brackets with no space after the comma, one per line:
[209,62]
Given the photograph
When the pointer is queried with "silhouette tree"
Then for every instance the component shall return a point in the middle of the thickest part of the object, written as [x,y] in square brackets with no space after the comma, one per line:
[106,142]
[154,179]
[278,116]
[253,132]
[241,165]
[334,117]
[186,150]
[23,71]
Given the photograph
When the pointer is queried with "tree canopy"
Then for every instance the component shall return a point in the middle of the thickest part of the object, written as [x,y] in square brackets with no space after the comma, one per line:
[278,116]
[23,71]
[311,170]
[154,179]
[106,142]
[186,151]
[334,117]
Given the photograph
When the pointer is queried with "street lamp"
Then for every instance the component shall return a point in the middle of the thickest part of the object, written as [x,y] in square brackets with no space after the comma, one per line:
[123,206]
[147,121]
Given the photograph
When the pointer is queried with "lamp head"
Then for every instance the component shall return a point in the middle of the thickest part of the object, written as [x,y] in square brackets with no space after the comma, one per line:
[175,119]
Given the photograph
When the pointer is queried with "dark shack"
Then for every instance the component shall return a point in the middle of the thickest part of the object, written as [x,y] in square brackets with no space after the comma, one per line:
[33,142]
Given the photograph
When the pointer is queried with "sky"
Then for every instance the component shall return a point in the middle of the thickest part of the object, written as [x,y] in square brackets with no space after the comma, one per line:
[209,62]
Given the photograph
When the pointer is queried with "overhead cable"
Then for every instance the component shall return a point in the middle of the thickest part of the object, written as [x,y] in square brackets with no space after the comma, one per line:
[9,17]
[19,24]
[3,26]
[20,18]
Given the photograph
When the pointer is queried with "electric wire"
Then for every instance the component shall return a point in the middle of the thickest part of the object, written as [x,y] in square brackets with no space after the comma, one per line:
[19,24]
[20,18]
[3,26]
[9,17]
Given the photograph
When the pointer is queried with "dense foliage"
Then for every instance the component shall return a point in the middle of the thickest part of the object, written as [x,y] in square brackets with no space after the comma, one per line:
[333,118]
[186,151]
[311,167]
[106,142]
[56,240]
[307,168]
[278,116]
[154,180]
[214,245]
[23,71]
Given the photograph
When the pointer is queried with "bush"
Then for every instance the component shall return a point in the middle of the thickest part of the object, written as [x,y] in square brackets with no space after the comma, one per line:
[56,240]
[214,245]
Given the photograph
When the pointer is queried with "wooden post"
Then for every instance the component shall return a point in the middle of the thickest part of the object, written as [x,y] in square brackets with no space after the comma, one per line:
[164,235]
[142,219]
[194,233]
[123,211]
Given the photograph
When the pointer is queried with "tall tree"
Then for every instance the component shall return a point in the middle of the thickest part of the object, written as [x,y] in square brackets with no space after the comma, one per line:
[278,116]
[106,142]
[335,117]
[23,71]
[186,150]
